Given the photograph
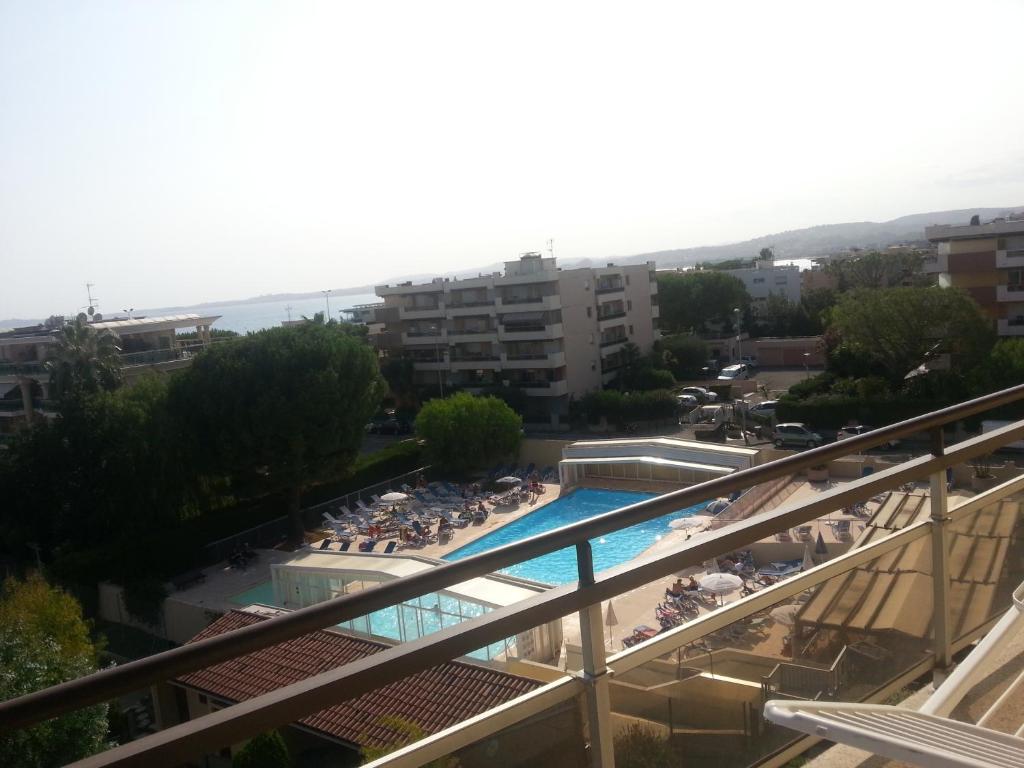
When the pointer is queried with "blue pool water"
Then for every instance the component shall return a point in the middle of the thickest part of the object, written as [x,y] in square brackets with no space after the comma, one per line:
[560,567]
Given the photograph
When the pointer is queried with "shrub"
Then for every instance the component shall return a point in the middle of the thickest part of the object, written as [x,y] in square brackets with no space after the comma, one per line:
[266,750]
[640,747]
[463,432]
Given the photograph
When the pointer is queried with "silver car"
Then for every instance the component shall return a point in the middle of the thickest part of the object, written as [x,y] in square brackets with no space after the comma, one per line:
[796,434]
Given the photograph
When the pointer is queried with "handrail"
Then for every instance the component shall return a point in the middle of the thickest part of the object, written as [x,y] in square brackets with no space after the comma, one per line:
[109,683]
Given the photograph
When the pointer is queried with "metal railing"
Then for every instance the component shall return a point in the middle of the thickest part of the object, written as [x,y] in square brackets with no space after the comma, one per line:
[298,700]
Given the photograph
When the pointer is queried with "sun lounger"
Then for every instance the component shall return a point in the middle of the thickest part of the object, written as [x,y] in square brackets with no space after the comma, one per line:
[361,506]
[330,519]
[345,510]
[344,546]
[325,544]
[368,545]
[803,532]
[390,547]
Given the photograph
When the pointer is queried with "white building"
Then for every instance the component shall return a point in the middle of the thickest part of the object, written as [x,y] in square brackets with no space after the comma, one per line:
[553,333]
[765,279]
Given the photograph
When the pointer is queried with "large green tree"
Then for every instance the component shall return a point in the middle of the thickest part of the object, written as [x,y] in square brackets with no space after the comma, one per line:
[683,354]
[879,270]
[695,300]
[44,641]
[464,432]
[281,408]
[83,360]
[894,330]
[265,750]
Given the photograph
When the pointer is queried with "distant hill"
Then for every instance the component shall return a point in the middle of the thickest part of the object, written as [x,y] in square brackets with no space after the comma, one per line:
[821,240]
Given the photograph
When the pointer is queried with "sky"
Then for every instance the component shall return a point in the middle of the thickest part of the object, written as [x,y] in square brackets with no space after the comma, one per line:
[179,152]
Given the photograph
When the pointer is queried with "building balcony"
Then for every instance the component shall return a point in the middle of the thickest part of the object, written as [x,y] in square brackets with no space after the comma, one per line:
[1011,326]
[542,276]
[428,289]
[468,309]
[608,321]
[1014,293]
[528,303]
[424,337]
[431,365]
[11,408]
[613,345]
[530,332]
[466,335]
[935,264]
[610,291]
[544,388]
[474,362]
[31,369]
[542,360]
[421,313]
[1010,259]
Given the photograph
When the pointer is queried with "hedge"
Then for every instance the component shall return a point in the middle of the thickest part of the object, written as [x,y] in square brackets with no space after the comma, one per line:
[619,407]
[836,411]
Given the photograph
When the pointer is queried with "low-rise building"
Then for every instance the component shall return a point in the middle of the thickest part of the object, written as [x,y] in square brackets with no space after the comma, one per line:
[553,333]
[987,261]
[766,279]
[147,344]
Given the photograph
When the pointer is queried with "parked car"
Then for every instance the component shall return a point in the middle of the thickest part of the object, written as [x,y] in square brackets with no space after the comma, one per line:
[764,408]
[796,434]
[749,360]
[687,401]
[702,395]
[860,429]
[389,427]
[734,372]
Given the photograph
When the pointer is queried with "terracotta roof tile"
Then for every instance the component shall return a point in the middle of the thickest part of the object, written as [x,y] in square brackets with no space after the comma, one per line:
[433,699]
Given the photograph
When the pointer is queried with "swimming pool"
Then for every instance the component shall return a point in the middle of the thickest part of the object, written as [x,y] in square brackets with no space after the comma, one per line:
[583,503]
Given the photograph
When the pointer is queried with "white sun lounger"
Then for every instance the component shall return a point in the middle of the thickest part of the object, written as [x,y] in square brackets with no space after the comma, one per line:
[928,737]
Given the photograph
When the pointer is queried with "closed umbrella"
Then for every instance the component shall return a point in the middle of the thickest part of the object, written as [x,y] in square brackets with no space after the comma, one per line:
[808,560]
[610,620]
[721,584]
[819,546]
[509,480]
[393,497]
[785,614]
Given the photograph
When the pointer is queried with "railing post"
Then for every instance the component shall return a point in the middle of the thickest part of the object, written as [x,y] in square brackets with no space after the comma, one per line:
[595,670]
[940,561]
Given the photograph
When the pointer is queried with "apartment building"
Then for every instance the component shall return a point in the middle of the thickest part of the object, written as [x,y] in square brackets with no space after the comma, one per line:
[554,333]
[987,261]
[765,279]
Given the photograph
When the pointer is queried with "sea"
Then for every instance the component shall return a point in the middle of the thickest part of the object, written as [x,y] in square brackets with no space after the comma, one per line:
[257,315]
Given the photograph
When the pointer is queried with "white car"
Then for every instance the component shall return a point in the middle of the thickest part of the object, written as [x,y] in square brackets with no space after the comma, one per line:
[702,395]
[687,401]
[764,408]
[734,372]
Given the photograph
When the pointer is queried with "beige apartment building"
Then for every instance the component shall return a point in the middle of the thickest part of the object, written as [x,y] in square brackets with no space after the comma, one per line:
[554,333]
[987,261]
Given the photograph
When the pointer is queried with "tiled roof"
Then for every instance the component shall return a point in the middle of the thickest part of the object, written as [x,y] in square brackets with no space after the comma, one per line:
[434,699]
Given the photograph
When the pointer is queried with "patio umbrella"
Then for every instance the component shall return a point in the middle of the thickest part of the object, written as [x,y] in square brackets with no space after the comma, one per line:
[785,614]
[808,560]
[697,521]
[721,583]
[509,480]
[819,546]
[610,620]
[394,496]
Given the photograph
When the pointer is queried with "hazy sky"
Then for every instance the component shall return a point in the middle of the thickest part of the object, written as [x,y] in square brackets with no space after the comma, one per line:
[176,152]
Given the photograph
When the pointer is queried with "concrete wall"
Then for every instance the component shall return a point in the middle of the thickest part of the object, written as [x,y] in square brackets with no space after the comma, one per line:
[543,453]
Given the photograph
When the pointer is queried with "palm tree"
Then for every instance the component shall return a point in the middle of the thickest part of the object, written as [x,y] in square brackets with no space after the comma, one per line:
[83,360]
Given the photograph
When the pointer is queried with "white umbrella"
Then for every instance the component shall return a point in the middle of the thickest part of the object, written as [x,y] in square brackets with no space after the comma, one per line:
[509,480]
[721,583]
[785,614]
[685,523]
[394,496]
[610,620]
[808,559]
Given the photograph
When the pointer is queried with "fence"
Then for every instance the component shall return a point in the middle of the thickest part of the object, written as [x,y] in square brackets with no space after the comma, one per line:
[273,532]
[588,687]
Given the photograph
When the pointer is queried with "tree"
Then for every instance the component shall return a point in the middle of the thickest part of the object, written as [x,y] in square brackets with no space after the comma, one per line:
[879,270]
[400,374]
[463,431]
[44,641]
[83,361]
[280,408]
[693,301]
[266,750]
[682,354]
[896,329]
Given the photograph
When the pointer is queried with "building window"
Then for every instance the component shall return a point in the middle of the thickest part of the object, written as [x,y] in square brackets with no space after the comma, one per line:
[593,365]
[758,280]
[631,330]
[1015,276]
[627,279]
[590,312]
[586,285]
[629,305]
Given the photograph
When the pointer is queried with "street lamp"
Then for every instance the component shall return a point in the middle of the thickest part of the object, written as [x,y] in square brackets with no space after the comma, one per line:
[807,369]
[129,312]
[739,340]
[327,298]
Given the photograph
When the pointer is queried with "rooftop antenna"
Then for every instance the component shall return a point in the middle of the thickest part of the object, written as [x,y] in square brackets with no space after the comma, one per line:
[551,247]
[288,309]
[91,309]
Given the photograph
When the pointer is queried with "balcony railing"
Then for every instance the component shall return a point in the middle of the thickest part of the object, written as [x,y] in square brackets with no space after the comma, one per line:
[27,368]
[522,300]
[610,288]
[469,304]
[12,406]
[293,702]
[612,315]
[616,340]
[523,328]
[471,331]
[529,356]
[487,358]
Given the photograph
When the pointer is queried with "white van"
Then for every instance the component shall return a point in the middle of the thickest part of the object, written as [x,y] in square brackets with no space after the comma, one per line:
[734,372]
